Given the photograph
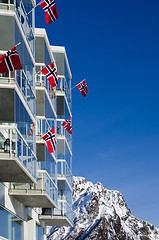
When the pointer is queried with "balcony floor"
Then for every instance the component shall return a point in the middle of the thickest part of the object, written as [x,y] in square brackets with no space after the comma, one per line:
[12,170]
[55,221]
[32,198]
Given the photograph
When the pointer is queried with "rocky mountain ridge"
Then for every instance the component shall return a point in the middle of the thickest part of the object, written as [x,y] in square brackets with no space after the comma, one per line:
[102,214]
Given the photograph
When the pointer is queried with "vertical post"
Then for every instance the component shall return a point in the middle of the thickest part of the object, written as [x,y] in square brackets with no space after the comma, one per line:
[9,227]
[10,142]
[44,234]
[9,4]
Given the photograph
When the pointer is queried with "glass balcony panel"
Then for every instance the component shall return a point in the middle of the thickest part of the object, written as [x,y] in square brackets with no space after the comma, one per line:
[61,131]
[25,24]
[47,185]
[18,78]
[41,194]
[42,127]
[43,82]
[63,170]
[7,4]
[63,210]
[25,155]
[63,87]
[19,8]
[13,146]
[26,90]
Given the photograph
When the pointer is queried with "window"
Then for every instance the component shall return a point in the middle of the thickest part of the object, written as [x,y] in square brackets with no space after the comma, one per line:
[11,227]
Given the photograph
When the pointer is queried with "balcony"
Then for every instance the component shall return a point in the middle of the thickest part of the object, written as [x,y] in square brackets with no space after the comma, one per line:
[63,89]
[63,136]
[11,80]
[62,216]
[7,4]
[43,126]
[42,81]
[17,161]
[43,194]
[18,7]
[64,172]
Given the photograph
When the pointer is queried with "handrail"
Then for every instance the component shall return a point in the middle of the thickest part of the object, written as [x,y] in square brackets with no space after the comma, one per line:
[45,172]
[63,160]
[26,143]
[27,17]
[15,127]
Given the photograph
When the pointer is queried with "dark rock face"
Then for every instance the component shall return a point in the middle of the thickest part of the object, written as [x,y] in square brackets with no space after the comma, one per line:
[101,214]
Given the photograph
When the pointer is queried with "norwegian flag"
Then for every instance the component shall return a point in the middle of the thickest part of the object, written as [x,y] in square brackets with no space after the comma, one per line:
[51,74]
[51,13]
[82,86]
[49,137]
[10,61]
[68,126]
[32,129]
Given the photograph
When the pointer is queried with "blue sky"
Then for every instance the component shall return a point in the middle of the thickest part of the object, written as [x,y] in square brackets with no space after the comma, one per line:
[114,45]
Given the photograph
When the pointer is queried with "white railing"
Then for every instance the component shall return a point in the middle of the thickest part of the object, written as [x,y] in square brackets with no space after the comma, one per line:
[13,145]
[44,185]
[47,185]
[23,85]
[64,209]
[64,171]
[41,81]
[63,87]
[7,4]
[18,7]
[61,132]
[42,127]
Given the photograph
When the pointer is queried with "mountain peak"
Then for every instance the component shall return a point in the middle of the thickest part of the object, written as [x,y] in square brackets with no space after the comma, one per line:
[102,214]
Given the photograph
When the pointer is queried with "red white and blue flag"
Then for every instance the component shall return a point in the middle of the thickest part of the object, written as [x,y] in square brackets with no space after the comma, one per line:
[10,61]
[51,74]
[68,125]
[51,13]
[32,129]
[49,137]
[82,86]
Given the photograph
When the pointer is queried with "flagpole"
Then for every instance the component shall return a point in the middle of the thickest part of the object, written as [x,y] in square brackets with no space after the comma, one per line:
[73,87]
[34,8]
[77,84]
[17,44]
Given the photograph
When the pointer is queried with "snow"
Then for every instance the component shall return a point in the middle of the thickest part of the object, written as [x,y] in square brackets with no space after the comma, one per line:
[96,208]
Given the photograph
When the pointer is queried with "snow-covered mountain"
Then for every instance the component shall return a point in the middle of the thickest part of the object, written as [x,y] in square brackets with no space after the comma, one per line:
[101,214]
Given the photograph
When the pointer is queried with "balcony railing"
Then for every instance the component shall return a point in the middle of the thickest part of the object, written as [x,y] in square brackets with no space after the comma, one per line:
[18,7]
[23,85]
[61,216]
[13,147]
[64,88]
[42,194]
[61,132]
[64,210]
[7,4]
[63,171]
[42,127]
[47,185]
[25,24]
[42,81]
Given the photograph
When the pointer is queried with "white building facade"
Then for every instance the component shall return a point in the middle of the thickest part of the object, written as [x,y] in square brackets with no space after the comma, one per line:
[35,186]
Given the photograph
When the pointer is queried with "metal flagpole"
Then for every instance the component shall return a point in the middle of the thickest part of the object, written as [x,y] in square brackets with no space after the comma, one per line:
[34,7]
[73,87]
[17,44]
[77,84]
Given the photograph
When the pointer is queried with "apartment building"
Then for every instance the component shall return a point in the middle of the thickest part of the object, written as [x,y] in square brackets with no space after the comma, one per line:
[35,186]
